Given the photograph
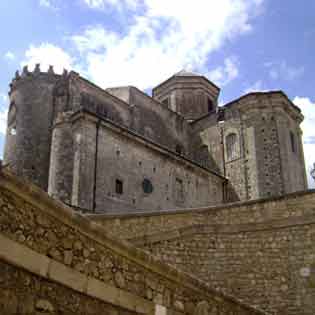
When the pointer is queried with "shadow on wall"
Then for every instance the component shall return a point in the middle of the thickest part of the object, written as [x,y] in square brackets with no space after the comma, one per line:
[230,194]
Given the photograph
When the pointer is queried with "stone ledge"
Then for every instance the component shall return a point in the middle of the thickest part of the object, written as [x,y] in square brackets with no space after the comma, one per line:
[67,276]
[223,229]
[40,265]
[32,261]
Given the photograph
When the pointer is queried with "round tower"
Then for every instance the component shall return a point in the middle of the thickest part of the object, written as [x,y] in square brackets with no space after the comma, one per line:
[28,139]
[189,94]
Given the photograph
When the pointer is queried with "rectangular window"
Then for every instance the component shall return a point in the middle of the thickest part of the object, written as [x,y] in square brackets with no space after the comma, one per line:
[292,141]
[179,190]
[119,187]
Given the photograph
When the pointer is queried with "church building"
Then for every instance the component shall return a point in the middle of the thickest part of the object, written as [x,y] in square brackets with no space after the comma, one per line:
[120,150]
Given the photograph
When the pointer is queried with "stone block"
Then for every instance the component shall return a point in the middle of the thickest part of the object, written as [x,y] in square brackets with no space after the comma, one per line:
[67,276]
[22,256]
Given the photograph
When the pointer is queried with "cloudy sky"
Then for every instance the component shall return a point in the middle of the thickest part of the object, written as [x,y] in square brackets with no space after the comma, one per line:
[242,45]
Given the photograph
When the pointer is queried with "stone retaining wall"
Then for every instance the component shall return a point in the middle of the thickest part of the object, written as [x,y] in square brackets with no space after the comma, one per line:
[262,252]
[49,240]
[23,293]
[268,265]
[258,211]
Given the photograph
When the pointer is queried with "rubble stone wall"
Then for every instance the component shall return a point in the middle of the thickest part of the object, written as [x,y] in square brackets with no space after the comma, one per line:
[262,252]
[49,240]
[23,293]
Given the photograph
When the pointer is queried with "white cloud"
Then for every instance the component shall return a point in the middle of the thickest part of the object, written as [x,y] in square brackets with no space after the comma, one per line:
[309,150]
[3,98]
[282,70]
[47,4]
[223,75]
[308,110]
[258,86]
[99,4]
[165,38]
[119,4]
[9,56]
[47,54]
[3,120]
[3,112]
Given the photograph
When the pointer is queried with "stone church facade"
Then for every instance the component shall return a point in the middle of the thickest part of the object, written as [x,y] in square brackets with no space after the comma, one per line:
[120,150]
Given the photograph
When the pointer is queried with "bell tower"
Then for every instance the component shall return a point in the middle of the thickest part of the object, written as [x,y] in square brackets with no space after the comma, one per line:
[189,94]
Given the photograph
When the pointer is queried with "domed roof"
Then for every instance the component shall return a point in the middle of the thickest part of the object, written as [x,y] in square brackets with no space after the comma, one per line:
[187,77]
[184,73]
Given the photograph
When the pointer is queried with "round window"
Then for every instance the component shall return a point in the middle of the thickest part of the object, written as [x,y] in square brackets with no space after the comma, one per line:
[147,186]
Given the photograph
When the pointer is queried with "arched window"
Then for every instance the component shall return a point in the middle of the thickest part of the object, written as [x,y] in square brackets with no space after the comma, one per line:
[292,139]
[231,146]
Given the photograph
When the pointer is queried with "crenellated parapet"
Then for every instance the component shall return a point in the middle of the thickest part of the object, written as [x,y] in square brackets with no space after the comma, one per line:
[26,76]
[33,105]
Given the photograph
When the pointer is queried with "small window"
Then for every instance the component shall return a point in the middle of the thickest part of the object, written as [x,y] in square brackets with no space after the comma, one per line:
[119,187]
[166,102]
[292,139]
[179,190]
[231,146]
[210,106]
[147,186]
[221,115]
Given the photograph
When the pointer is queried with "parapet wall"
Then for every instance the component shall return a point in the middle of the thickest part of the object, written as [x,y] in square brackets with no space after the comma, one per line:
[57,261]
[132,226]
[262,252]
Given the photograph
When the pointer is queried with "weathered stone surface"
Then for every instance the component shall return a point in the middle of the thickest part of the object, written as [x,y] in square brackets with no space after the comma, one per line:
[45,297]
[175,153]
[241,249]
[68,257]
[44,306]
[155,158]
[108,263]
[120,280]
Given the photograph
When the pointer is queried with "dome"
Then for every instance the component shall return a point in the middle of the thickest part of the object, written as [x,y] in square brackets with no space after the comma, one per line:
[184,73]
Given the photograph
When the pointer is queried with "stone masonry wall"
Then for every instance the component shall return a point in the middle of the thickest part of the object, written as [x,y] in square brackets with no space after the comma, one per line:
[272,268]
[119,155]
[51,240]
[260,251]
[23,293]
[141,114]
[268,157]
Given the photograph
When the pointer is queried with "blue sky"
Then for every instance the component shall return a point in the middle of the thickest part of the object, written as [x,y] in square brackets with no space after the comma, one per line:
[242,45]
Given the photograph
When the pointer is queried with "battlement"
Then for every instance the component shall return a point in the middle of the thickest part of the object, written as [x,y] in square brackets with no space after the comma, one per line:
[27,75]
